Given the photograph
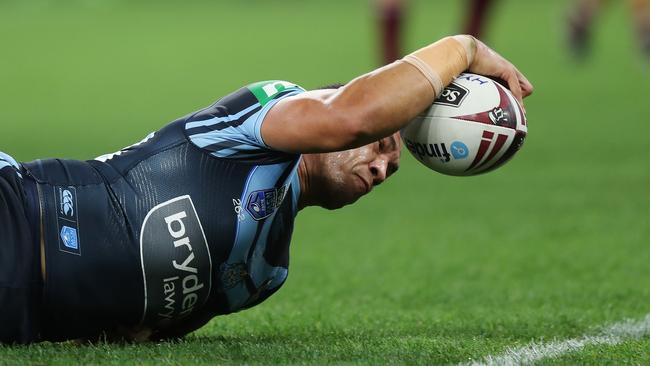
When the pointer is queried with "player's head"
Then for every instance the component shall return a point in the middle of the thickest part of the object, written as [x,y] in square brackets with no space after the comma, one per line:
[341,178]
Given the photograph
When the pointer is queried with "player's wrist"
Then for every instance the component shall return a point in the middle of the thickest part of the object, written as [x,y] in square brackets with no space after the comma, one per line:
[470,45]
[444,60]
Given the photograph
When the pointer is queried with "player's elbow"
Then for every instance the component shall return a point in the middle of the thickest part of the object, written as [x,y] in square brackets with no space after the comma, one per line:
[353,127]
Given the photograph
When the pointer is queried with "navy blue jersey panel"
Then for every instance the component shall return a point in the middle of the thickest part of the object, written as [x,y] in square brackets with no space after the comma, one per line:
[170,231]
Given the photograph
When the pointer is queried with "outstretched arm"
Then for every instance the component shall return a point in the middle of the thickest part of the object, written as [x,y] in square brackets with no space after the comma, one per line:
[379,103]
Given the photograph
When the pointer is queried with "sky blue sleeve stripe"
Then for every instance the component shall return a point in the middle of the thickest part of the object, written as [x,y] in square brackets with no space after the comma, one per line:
[250,148]
[4,164]
[259,116]
[239,153]
[258,157]
[8,159]
[236,152]
[230,134]
[225,153]
[243,133]
[214,137]
[295,188]
[215,120]
[206,139]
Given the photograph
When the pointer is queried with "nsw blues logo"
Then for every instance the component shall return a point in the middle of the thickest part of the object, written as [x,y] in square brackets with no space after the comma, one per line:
[262,204]
[69,237]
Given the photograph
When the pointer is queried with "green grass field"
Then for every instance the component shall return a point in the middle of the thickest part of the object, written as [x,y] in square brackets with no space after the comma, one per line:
[428,269]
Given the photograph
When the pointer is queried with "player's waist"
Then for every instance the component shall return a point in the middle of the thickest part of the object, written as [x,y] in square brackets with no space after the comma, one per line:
[34,218]
[91,260]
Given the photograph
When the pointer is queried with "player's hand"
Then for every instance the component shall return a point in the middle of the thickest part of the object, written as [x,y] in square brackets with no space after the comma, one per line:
[489,63]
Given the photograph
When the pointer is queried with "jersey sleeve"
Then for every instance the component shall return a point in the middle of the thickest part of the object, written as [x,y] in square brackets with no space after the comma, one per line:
[7,161]
[231,127]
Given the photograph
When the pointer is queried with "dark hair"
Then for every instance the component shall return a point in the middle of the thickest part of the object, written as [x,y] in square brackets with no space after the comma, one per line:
[330,86]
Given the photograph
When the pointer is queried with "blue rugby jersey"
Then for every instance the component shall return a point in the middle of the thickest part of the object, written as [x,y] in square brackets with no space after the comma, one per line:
[192,222]
[6,161]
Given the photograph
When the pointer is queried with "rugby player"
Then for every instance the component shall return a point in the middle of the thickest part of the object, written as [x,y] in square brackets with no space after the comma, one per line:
[194,221]
[583,16]
[392,16]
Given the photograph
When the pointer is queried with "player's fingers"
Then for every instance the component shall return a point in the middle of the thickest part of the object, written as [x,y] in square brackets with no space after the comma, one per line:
[515,88]
[526,87]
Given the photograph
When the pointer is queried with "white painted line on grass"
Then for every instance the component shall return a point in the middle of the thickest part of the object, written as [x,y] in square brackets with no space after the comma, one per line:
[533,352]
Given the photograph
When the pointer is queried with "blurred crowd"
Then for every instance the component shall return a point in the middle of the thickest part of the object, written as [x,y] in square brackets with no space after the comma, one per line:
[580,22]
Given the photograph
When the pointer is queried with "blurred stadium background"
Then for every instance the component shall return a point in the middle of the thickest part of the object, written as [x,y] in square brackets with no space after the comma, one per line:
[428,269]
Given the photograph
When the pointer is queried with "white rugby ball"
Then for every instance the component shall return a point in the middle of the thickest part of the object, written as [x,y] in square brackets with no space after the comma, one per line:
[474,126]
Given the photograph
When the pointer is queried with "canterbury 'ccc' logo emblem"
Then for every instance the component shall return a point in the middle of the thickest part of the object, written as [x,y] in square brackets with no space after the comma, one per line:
[67,205]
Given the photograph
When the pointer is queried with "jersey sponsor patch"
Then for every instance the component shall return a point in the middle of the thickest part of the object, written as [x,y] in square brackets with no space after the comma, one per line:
[262,204]
[453,95]
[68,219]
[264,91]
[176,263]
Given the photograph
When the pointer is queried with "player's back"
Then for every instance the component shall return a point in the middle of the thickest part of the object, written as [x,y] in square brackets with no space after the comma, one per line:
[170,231]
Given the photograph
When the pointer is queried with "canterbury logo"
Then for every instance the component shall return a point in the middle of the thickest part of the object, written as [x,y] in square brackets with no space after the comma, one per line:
[486,142]
[66,203]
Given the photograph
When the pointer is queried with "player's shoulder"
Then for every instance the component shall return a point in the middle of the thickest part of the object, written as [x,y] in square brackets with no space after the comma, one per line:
[265,91]
[231,127]
[248,99]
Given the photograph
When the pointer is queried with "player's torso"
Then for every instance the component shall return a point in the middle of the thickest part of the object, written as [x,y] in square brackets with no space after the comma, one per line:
[160,233]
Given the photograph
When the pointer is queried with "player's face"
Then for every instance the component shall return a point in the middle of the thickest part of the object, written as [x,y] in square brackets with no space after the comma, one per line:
[353,173]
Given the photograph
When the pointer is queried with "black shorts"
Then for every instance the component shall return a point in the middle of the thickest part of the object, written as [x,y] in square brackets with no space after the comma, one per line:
[20,278]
